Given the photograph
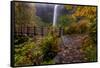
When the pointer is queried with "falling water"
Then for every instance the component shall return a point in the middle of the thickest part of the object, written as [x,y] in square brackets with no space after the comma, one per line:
[55,15]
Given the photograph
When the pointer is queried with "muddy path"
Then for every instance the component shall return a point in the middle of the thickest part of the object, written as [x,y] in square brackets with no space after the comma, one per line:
[71,49]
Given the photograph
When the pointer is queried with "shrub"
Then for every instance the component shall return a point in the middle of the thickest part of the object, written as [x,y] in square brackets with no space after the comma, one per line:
[66,20]
[20,39]
[28,54]
[78,28]
[72,29]
[49,47]
[93,31]
[89,49]
[83,26]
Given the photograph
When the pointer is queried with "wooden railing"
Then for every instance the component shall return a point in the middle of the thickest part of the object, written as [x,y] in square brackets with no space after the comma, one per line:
[42,31]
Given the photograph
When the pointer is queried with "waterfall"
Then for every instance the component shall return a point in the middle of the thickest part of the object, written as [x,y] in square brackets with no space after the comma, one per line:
[55,15]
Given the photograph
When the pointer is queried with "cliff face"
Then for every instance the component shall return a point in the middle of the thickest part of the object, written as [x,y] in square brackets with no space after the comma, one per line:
[38,13]
[46,11]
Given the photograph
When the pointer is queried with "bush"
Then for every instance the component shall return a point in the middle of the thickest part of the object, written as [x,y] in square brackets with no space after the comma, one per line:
[20,39]
[93,32]
[78,28]
[83,26]
[72,29]
[89,49]
[38,52]
[49,47]
[29,54]
[66,20]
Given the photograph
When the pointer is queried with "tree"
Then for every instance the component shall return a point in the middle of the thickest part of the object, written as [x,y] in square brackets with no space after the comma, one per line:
[25,14]
[88,12]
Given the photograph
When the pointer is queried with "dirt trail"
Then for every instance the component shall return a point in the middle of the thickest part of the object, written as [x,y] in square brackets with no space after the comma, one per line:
[70,50]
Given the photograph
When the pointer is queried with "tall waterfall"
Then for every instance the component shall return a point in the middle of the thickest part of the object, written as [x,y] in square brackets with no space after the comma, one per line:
[55,15]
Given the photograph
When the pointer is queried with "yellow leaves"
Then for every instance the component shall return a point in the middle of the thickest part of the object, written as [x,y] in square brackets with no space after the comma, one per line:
[28,46]
[86,11]
[72,29]
[83,23]
[73,25]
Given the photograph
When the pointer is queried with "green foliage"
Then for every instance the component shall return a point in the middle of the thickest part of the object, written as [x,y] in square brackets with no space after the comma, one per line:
[66,20]
[69,7]
[27,54]
[20,39]
[31,53]
[83,16]
[83,26]
[48,62]
[77,28]
[91,44]
[21,54]
[93,31]
[49,47]
[25,14]
[89,48]
[43,51]
[72,29]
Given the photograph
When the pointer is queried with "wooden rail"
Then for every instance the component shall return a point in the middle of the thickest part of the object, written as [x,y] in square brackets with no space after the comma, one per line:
[42,31]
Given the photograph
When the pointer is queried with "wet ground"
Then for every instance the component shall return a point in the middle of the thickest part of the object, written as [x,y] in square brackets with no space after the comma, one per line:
[70,49]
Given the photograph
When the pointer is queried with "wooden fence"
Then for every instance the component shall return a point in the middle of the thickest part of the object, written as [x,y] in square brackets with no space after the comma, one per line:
[42,31]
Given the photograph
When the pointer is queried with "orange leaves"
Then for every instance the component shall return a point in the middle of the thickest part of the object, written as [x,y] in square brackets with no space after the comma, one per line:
[85,11]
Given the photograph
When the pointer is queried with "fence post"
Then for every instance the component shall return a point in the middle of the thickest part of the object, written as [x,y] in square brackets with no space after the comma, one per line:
[15,31]
[27,30]
[59,31]
[42,32]
[21,30]
[34,30]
